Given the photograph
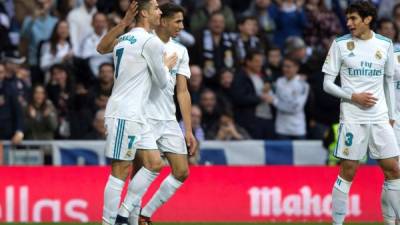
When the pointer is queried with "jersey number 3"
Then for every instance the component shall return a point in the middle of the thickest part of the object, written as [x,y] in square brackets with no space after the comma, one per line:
[118,53]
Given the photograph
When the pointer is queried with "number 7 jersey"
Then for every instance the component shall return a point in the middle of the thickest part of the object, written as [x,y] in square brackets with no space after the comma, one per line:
[134,55]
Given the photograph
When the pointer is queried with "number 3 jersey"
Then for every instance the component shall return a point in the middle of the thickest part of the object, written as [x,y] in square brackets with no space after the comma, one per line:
[138,56]
[362,65]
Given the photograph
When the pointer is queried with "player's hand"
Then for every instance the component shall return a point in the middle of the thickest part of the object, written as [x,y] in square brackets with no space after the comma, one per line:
[392,122]
[191,143]
[170,61]
[130,13]
[364,99]
[17,138]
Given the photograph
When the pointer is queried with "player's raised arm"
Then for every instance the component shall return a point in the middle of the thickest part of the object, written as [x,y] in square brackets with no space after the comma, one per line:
[107,43]
[388,83]
[158,63]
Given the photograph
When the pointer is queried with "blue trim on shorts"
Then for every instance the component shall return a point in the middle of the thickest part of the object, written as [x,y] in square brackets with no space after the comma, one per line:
[338,140]
[120,138]
[116,139]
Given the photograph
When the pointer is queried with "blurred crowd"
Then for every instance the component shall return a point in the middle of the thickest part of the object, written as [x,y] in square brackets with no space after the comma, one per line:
[255,66]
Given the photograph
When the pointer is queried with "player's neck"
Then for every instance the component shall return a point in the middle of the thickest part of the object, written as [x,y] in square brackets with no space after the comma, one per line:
[366,35]
[143,25]
[163,36]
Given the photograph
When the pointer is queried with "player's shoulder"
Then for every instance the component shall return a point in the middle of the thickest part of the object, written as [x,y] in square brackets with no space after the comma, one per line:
[383,39]
[176,44]
[342,38]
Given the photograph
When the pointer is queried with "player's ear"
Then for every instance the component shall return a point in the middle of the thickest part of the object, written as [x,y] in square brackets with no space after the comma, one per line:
[368,19]
[163,22]
[143,13]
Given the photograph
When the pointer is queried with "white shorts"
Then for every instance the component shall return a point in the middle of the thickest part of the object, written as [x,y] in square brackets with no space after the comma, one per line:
[168,135]
[355,139]
[124,137]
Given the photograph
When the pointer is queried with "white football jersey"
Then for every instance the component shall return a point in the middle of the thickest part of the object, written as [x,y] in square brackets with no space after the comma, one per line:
[362,65]
[396,80]
[161,102]
[136,55]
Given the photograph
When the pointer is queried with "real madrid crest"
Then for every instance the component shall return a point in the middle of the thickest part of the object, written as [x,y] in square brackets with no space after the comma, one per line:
[346,151]
[378,54]
[350,45]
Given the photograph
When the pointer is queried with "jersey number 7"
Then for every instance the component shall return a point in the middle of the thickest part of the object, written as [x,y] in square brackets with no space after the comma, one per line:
[118,53]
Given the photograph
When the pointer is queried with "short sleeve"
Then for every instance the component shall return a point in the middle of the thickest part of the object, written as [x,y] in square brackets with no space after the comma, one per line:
[184,68]
[332,62]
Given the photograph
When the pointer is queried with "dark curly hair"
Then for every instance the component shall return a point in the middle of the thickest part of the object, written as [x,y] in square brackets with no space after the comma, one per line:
[364,8]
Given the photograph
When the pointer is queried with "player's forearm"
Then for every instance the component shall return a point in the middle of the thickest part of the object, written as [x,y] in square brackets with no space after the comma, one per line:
[185,106]
[106,44]
[331,88]
[389,95]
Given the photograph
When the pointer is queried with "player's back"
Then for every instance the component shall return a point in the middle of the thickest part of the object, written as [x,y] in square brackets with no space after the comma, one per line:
[161,102]
[132,81]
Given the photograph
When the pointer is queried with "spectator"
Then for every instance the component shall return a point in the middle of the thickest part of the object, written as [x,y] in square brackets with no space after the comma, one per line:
[40,116]
[17,76]
[105,80]
[59,90]
[265,11]
[36,29]
[247,39]
[246,94]
[290,98]
[201,16]
[79,20]
[225,83]
[386,7]
[195,83]
[88,46]
[387,28]
[226,129]
[309,61]
[58,49]
[274,61]
[196,117]
[99,130]
[290,21]
[209,109]
[214,50]
[81,110]
[11,115]
[322,24]
[396,15]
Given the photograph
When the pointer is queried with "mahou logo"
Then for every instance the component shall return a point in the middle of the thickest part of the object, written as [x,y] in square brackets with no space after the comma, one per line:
[18,207]
[269,201]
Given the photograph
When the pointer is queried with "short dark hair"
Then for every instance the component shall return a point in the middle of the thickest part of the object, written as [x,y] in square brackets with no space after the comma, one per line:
[58,66]
[364,8]
[141,5]
[169,9]
[244,18]
[106,64]
[293,60]
[251,53]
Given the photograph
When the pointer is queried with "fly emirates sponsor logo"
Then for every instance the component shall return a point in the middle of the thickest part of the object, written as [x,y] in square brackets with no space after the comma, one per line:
[269,201]
[18,207]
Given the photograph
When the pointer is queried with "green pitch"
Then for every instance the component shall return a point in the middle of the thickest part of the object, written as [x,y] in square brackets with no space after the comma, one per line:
[198,223]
